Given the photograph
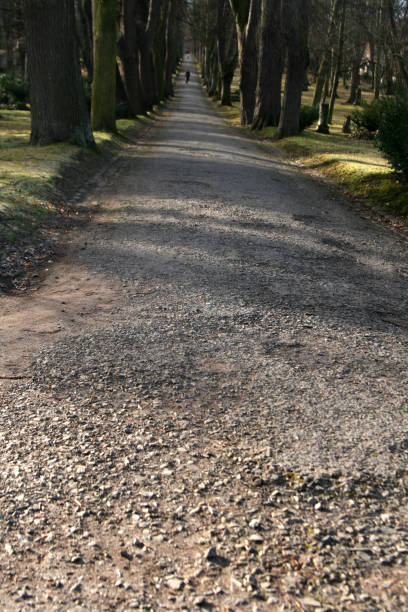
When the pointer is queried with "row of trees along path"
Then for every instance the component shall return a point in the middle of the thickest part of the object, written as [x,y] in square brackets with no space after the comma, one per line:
[130,49]
[218,417]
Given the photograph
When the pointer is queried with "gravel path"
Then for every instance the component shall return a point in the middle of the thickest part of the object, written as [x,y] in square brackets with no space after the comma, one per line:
[231,431]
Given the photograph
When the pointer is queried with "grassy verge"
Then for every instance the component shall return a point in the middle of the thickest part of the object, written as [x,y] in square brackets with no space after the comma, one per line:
[35,184]
[355,165]
[32,186]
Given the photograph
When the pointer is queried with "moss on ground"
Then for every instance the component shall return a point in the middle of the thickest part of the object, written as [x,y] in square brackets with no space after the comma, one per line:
[32,185]
[355,165]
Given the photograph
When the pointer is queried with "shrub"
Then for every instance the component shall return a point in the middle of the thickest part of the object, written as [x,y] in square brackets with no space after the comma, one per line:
[13,91]
[392,136]
[308,115]
[367,120]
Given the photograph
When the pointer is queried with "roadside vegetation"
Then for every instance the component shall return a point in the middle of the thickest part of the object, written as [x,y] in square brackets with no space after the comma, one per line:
[352,161]
[34,181]
[36,184]
[256,58]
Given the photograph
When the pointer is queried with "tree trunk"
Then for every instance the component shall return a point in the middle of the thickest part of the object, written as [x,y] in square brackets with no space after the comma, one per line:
[355,77]
[103,108]
[246,14]
[379,44]
[397,46]
[324,66]
[84,32]
[169,62]
[58,106]
[146,30]
[338,63]
[226,51]
[129,56]
[268,90]
[297,20]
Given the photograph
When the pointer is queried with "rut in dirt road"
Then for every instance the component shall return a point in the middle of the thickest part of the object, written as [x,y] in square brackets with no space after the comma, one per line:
[232,433]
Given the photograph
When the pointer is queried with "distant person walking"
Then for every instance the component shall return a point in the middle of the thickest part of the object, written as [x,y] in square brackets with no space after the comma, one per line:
[187,76]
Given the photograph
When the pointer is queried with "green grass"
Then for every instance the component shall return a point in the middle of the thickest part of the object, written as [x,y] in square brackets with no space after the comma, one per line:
[30,177]
[355,165]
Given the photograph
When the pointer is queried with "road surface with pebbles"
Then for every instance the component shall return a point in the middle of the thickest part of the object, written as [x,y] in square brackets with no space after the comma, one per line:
[209,405]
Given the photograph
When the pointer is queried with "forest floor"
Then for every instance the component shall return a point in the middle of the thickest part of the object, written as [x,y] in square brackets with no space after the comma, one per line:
[204,404]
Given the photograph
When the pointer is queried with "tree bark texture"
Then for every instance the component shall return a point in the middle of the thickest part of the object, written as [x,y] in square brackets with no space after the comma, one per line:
[246,14]
[226,51]
[296,19]
[147,23]
[103,108]
[58,106]
[83,10]
[397,47]
[129,56]
[268,89]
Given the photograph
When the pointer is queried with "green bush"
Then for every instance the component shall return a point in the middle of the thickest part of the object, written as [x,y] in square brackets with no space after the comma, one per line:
[308,115]
[367,120]
[13,91]
[392,136]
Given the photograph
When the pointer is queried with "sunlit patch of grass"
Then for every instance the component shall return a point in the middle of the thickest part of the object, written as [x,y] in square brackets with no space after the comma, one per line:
[356,165]
[30,175]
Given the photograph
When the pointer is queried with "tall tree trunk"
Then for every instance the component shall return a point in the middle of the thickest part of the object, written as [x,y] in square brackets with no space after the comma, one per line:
[58,106]
[297,20]
[83,9]
[146,31]
[379,44]
[268,90]
[103,108]
[396,45]
[246,14]
[227,52]
[324,66]
[338,63]
[129,56]
[169,60]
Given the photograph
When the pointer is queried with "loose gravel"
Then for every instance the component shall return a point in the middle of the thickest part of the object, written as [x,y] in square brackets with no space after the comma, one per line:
[234,436]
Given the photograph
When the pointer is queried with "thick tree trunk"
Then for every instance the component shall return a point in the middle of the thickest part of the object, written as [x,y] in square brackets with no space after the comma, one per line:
[84,32]
[396,45]
[246,14]
[297,19]
[148,75]
[146,30]
[355,76]
[129,56]
[226,51]
[58,106]
[268,90]
[103,109]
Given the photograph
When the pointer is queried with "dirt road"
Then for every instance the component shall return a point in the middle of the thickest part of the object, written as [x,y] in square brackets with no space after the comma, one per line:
[214,408]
